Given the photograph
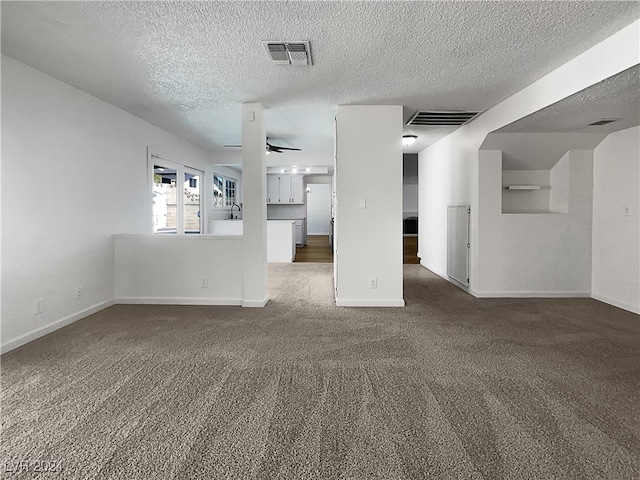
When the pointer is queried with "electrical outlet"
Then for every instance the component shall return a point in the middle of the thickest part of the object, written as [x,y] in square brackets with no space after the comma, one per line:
[37,306]
[204,282]
[79,292]
[627,211]
[373,283]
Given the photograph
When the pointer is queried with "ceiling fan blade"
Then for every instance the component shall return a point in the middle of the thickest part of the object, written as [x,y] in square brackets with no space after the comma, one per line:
[278,149]
[287,148]
[270,148]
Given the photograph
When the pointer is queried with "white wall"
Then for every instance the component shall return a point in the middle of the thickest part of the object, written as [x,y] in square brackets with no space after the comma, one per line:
[369,240]
[318,209]
[530,201]
[169,269]
[448,169]
[538,150]
[74,173]
[560,182]
[409,199]
[540,254]
[616,236]
[447,176]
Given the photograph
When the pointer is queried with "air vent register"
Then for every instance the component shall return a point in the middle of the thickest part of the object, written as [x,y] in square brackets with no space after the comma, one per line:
[288,53]
[442,118]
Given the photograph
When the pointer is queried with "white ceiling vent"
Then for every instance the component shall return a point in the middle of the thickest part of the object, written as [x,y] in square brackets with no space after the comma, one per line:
[288,53]
[441,118]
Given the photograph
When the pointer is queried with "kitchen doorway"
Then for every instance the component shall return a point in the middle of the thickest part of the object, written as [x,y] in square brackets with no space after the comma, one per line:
[318,247]
[410,208]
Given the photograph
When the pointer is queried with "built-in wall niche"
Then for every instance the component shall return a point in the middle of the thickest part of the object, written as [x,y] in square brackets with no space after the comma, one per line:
[537,191]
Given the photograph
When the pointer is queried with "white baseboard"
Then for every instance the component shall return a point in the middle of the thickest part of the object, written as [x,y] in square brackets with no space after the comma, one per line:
[178,301]
[530,294]
[462,286]
[53,326]
[516,294]
[255,303]
[368,303]
[617,303]
[440,274]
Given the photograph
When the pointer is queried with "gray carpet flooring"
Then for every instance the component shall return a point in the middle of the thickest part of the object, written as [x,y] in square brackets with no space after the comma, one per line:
[448,387]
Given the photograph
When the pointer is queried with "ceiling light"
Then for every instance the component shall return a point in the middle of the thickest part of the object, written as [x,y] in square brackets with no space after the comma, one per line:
[282,170]
[308,169]
[294,170]
[408,140]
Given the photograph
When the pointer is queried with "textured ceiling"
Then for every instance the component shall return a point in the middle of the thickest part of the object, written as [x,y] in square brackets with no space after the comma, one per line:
[616,97]
[188,66]
[539,140]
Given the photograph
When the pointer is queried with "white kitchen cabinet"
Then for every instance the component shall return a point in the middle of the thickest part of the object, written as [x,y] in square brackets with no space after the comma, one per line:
[285,189]
[297,189]
[273,189]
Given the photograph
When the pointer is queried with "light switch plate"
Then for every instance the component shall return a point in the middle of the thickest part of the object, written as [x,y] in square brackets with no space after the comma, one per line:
[362,203]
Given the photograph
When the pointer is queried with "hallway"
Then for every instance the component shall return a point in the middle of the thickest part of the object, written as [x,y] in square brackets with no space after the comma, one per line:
[318,250]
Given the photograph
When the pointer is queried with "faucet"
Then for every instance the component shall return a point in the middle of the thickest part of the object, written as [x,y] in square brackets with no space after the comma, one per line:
[231,213]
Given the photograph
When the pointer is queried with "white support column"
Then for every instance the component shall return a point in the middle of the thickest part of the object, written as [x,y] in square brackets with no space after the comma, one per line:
[254,214]
[368,213]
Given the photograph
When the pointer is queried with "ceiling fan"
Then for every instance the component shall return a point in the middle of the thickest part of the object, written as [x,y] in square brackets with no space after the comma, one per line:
[270,148]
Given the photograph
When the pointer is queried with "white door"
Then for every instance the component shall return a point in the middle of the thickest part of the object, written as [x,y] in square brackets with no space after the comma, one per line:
[318,209]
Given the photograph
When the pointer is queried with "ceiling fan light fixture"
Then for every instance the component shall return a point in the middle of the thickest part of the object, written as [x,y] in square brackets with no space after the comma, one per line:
[408,140]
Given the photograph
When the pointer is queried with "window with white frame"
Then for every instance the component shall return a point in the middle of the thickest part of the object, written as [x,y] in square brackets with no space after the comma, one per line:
[176,197]
[224,191]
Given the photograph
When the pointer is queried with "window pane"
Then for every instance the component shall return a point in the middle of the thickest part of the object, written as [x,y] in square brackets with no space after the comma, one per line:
[191,203]
[218,193]
[230,192]
[164,200]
